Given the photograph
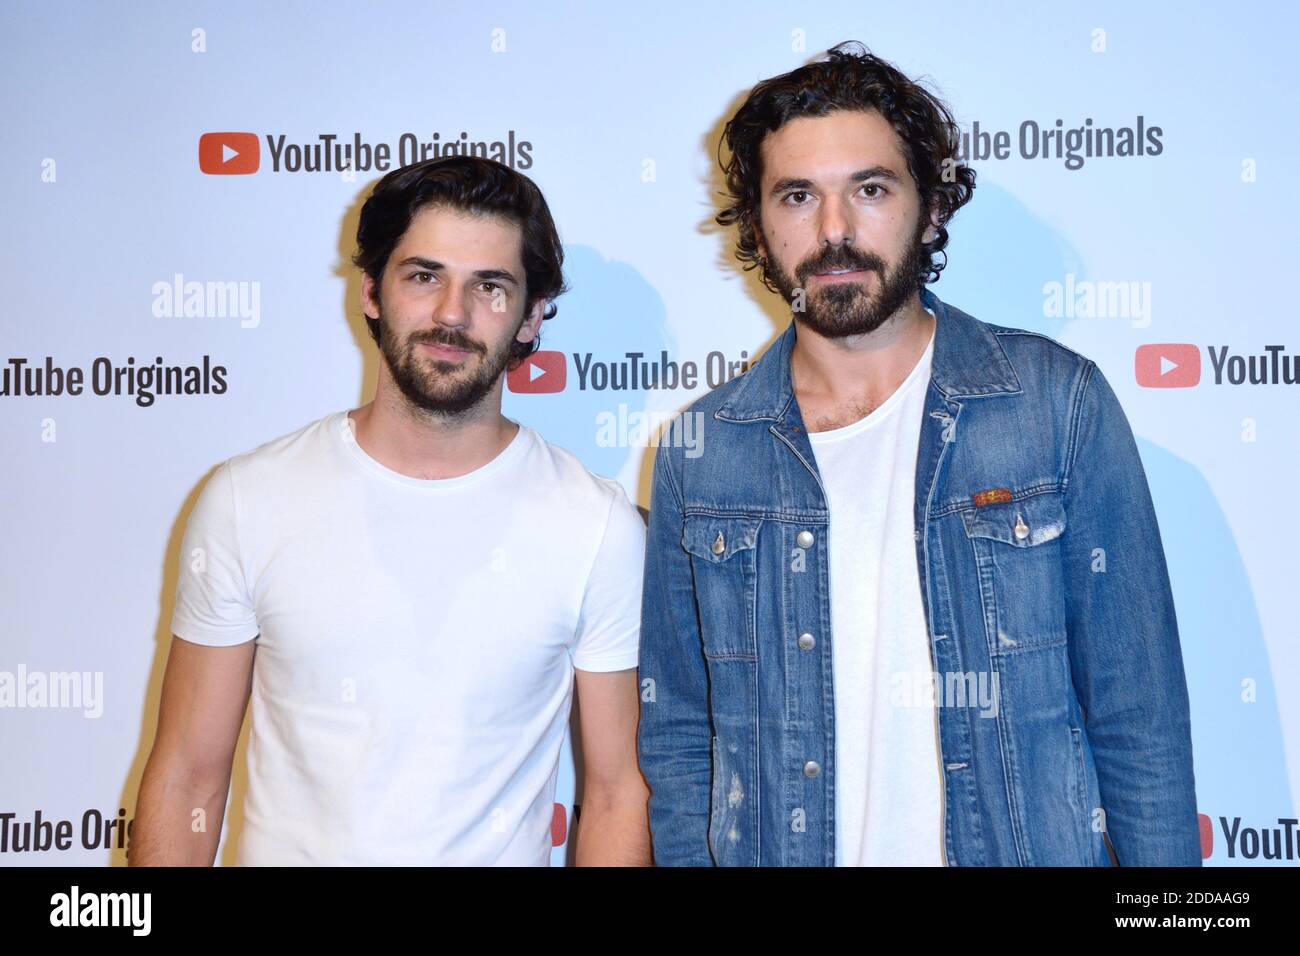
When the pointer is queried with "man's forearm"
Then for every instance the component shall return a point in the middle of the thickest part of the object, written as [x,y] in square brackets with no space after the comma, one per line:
[614,831]
[178,819]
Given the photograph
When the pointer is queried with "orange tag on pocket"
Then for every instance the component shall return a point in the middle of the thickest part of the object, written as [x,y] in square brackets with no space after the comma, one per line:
[991,497]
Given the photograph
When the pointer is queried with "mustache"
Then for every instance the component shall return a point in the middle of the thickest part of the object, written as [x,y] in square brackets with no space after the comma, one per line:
[839,257]
[448,337]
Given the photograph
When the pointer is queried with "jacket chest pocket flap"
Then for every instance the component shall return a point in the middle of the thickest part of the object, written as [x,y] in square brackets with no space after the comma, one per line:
[1022,524]
[1019,541]
[723,562]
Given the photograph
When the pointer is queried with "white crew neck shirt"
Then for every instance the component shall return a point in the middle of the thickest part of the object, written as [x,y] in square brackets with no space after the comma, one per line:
[888,786]
[417,640]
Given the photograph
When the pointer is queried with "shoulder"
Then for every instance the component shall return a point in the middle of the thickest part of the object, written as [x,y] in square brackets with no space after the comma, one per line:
[1054,379]
[300,448]
[1031,342]
[1036,352]
[720,395]
[747,405]
[1048,383]
[569,484]
[1043,366]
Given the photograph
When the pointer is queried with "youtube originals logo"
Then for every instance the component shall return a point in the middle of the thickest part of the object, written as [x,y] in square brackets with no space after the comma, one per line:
[238,154]
[1168,365]
[542,372]
[1178,365]
[229,154]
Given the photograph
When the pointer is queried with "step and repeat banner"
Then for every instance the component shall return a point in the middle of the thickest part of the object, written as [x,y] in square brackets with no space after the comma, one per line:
[180,185]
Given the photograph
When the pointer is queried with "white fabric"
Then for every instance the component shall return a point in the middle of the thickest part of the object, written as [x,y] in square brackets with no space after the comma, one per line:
[888,786]
[414,670]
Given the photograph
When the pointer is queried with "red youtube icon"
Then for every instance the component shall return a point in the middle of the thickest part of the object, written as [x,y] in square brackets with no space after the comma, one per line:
[541,372]
[229,154]
[1168,365]
[559,824]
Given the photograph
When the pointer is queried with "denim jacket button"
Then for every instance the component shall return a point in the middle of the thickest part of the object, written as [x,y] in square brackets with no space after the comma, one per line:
[807,642]
[805,540]
[1022,529]
[812,768]
[719,544]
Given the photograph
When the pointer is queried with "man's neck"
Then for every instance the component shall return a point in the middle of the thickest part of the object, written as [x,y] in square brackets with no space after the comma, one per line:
[420,444]
[840,380]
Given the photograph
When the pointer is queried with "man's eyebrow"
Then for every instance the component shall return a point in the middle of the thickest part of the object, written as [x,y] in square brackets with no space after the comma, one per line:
[876,172]
[862,175]
[505,274]
[787,184]
[433,265]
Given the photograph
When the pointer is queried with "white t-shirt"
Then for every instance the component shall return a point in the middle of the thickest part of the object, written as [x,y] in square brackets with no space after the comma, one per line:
[416,640]
[888,786]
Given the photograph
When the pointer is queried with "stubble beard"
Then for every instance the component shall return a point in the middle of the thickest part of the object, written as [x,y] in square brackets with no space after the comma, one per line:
[438,387]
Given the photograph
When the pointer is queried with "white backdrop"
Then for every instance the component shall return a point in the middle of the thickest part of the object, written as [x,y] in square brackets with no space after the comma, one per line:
[111,226]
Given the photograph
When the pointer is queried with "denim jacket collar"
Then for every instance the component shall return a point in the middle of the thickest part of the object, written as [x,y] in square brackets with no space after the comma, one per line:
[968,362]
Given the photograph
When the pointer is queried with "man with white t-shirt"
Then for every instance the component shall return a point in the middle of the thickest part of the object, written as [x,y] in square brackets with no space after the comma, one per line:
[411,591]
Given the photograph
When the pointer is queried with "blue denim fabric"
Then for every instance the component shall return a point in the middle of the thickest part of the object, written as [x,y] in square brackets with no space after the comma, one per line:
[1057,596]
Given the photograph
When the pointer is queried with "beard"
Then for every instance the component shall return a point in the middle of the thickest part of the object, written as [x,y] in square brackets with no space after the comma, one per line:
[840,309]
[437,386]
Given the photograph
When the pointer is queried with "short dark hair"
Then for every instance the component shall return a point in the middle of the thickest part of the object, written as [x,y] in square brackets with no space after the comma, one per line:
[474,185]
[850,78]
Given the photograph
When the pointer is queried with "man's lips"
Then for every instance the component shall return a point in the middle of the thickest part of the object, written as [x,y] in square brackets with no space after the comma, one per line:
[448,352]
[839,275]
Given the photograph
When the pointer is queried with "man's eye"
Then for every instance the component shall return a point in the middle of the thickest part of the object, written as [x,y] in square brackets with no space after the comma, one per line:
[417,276]
[876,186]
[797,192]
[489,286]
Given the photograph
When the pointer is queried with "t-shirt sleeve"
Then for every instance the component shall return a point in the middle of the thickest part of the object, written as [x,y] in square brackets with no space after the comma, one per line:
[213,602]
[609,625]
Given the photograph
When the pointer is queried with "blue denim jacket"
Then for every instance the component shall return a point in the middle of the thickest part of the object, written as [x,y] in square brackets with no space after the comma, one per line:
[1052,589]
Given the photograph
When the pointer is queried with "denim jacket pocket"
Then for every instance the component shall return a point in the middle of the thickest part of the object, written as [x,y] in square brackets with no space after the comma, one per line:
[723,562]
[1018,554]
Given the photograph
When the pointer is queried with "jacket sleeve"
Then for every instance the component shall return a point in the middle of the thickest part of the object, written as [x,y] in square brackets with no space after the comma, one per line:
[674,737]
[1125,657]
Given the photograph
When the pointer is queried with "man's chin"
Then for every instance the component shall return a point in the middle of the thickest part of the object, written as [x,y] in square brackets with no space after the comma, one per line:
[444,403]
[840,330]
[432,392]
[837,322]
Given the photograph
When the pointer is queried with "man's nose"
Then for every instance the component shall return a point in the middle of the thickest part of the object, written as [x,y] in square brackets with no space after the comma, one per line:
[834,226]
[451,310]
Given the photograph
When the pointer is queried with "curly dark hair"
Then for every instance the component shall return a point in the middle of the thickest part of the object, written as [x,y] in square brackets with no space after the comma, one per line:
[850,78]
[470,184]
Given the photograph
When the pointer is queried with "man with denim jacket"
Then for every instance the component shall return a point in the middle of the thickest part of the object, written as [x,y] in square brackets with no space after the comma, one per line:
[909,605]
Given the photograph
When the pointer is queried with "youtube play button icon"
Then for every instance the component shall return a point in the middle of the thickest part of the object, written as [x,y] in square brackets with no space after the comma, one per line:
[229,154]
[1168,365]
[540,373]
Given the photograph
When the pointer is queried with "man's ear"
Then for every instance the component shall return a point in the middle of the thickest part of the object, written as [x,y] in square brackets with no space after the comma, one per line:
[933,228]
[760,244]
[532,323]
[368,301]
